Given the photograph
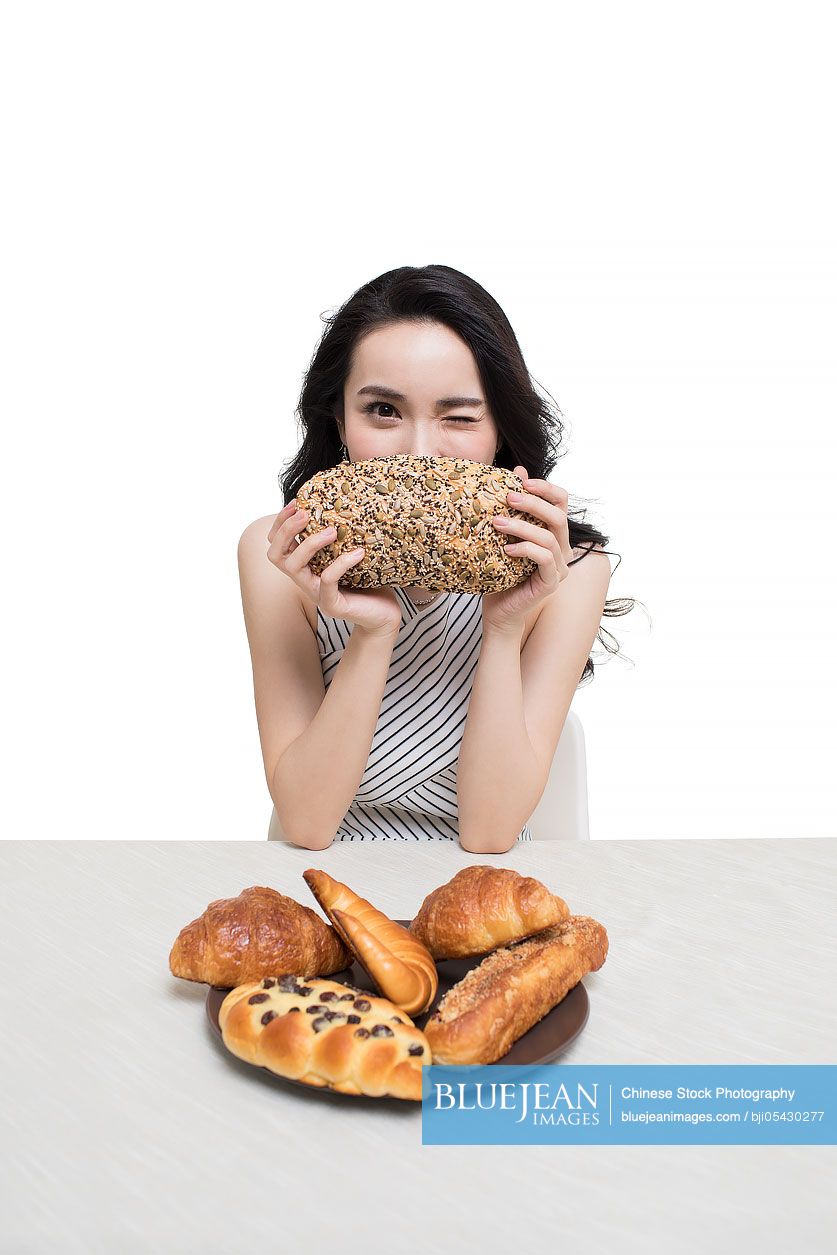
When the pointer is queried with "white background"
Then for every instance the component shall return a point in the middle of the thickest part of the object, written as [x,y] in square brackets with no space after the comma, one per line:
[647,190]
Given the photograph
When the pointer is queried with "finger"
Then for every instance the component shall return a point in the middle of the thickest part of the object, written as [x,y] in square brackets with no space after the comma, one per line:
[550,511]
[554,517]
[331,575]
[519,527]
[283,536]
[336,568]
[301,554]
[540,489]
[284,514]
[550,568]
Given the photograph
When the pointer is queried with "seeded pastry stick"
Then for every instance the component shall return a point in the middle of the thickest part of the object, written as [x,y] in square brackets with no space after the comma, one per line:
[480,1018]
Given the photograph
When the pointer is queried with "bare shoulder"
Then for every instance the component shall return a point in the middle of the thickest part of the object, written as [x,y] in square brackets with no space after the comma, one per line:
[588,579]
[261,581]
[598,558]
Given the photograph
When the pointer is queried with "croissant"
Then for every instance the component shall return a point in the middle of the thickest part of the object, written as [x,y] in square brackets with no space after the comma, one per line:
[401,967]
[260,933]
[483,908]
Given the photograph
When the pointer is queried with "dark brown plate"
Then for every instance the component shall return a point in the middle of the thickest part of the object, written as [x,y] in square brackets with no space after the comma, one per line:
[543,1043]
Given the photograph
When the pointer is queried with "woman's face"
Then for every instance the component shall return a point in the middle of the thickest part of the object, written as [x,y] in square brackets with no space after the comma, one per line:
[429,367]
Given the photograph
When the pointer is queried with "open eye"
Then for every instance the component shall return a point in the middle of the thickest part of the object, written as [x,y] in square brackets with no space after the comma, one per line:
[373,405]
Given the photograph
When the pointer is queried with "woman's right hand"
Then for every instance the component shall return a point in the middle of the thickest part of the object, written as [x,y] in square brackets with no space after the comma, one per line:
[376,610]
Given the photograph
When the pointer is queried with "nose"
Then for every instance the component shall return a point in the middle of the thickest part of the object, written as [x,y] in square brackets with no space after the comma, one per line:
[436,442]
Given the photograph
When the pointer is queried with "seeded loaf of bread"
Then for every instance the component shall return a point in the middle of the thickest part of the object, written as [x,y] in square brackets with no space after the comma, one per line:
[325,1034]
[422,521]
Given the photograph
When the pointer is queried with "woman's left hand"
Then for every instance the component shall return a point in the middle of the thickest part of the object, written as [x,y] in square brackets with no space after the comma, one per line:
[547,544]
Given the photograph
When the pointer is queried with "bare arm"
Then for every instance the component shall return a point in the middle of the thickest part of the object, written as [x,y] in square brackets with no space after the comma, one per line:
[317,776]
[498,778]
[518,706]
[315,742]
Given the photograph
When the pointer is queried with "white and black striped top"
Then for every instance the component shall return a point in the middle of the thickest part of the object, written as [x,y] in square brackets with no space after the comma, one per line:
[408,790]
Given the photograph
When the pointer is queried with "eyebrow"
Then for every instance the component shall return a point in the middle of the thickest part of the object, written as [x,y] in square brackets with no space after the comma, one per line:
[444,403]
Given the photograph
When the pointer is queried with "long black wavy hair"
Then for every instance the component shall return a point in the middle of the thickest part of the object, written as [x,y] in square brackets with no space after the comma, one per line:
[530,424]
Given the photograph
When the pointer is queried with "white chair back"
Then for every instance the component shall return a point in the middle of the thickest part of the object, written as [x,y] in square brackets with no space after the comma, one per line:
[275,831]
[562,813]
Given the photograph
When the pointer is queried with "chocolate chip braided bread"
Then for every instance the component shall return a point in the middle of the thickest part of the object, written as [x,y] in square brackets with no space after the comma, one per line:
[326,1035]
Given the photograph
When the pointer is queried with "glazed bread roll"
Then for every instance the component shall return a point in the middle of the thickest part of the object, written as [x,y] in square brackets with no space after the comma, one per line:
[259,933]
[482,908]
[401,966]
[327,1035]
[421,520]
[480,1018]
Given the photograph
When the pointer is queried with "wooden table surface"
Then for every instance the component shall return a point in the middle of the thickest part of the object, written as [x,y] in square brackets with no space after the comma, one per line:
[126,1127]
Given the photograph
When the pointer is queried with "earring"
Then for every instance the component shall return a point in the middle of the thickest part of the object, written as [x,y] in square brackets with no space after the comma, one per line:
[345,453]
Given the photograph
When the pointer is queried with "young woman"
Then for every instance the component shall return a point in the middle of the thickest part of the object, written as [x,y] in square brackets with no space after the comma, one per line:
[401,713]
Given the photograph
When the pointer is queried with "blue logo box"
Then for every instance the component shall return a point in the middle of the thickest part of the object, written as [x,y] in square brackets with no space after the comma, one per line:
[620,1104]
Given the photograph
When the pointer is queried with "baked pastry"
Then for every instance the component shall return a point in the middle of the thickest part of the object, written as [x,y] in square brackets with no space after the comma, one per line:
[401,967]
[422,520]
[479,1019]
[259,933]
[482,908]
[327,1035]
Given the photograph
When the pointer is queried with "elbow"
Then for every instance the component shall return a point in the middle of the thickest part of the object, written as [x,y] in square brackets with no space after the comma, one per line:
[298,835]
[297,832]
[311,843]
[488,834]
[293,827]
[486,843]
